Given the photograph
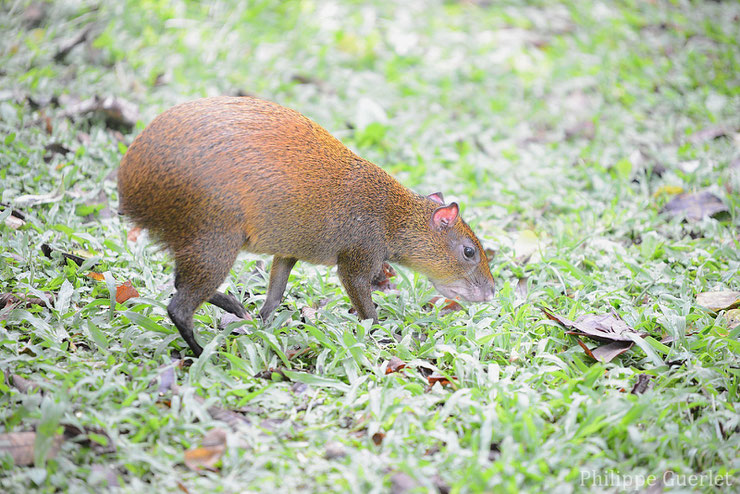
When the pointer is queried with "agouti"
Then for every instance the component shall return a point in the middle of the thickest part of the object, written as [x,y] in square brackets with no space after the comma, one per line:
[214,176]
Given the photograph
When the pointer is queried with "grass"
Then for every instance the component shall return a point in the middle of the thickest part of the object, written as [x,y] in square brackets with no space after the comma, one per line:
[559,127]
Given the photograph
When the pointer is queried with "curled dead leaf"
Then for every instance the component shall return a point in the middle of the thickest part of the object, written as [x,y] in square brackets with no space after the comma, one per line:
[125,292]
[378,438]
[395,364]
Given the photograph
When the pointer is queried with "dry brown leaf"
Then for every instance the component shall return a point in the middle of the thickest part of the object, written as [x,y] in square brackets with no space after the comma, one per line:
[601,327]
[133,234]
[96,276]
[395,364]
[47,250]
[378,438]
[20,446]
[641,385]
[209,454]
[448,307]
[720,300]
[22,384]
[434,379]
[695,206]
[382,282]
[125,292]
[606,353]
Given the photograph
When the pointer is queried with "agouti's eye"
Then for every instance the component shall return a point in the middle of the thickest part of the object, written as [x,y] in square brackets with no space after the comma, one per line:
[469,252]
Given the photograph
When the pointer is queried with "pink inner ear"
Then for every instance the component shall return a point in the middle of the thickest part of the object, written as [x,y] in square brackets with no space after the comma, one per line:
[437,197]
[445,216]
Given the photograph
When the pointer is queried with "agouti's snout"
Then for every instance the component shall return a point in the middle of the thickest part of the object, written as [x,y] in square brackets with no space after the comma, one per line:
[214,176]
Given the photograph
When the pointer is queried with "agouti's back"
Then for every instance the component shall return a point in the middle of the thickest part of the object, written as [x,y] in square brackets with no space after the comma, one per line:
[214,176]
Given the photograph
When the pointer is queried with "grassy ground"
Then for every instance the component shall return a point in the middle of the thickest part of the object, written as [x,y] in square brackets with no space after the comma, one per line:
[561,128]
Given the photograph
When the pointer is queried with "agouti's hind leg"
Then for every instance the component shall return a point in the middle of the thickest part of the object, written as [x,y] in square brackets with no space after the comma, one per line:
[199,269]
[279,273]
[229,303]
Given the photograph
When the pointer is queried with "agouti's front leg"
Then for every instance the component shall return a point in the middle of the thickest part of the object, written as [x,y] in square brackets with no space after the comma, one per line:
[279,273]
[355,273]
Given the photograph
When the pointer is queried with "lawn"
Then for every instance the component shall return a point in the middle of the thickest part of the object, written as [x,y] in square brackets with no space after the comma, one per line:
[572,134]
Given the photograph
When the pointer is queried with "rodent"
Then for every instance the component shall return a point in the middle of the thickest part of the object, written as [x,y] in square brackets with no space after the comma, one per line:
[214,176]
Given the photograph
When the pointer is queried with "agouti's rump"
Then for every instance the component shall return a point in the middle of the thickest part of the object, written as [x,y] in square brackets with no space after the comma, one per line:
[215,176]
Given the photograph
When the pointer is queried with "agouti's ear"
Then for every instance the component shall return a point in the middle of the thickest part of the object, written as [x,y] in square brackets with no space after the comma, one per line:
[444,216]
[437,197]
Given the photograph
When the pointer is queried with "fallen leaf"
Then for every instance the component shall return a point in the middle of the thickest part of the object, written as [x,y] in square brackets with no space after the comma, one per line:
[227,318]
[35,14]
[133,234]
[47,250]
[57,148]
[22,384]
[448,307]
[20,447]
[107,472]
[435,378]
[209,454]
[13,222]
[378,438]
[521,288]
[395,364]
[717,301]
[68,45]
[8,299]
[709,133]
[401,483]
[382,282]
[272,374]
[606,353]
[695,206]
[641,385]
[96,276]
[90,437]
[115,111]
[308,314]
[334,450]
[35,199]
[601,327]
[297,352]
[125,292]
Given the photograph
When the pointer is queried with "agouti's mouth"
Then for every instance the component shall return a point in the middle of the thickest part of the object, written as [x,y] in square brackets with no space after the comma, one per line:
[466,291]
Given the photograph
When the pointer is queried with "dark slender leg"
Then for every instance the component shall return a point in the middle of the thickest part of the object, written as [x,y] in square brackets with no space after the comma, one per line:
[279,273]
[200,268]
[229,303]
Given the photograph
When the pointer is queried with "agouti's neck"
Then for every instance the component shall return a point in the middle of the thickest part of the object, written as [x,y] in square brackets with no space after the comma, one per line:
[408,223]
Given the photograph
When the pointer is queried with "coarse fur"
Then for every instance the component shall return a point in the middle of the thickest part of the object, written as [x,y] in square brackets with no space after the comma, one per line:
[214,176]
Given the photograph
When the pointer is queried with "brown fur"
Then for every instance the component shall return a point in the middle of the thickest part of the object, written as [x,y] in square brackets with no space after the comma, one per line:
[215,176]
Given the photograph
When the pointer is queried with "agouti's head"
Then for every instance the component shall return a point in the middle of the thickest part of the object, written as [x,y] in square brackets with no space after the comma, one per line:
[452,257]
